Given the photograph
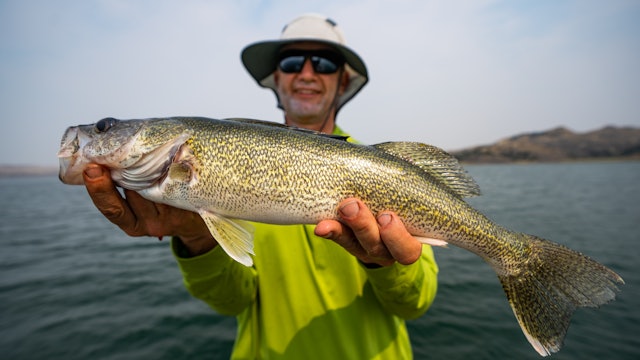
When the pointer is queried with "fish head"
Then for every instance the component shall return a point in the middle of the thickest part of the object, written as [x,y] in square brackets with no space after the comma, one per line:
[137,152]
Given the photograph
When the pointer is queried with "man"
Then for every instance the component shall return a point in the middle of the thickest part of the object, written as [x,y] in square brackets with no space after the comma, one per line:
[304,297]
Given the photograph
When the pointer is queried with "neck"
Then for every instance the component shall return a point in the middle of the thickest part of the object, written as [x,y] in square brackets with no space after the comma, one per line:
[323,125]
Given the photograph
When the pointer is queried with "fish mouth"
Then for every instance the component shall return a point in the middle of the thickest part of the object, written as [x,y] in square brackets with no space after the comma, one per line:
[70,171]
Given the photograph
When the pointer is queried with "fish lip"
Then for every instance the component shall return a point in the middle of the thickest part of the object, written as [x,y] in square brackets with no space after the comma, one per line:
[69,144]
[63,167]
[70,171]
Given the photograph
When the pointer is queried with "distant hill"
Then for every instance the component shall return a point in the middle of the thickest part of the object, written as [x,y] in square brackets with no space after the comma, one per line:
[559,144]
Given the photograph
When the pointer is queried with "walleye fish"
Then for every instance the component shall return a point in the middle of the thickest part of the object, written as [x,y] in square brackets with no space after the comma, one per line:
[236,170]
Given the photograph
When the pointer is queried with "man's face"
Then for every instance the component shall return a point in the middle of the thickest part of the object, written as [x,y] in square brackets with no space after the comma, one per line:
[308,96]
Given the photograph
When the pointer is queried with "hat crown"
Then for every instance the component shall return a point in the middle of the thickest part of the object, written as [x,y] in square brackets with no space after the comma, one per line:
[313,27]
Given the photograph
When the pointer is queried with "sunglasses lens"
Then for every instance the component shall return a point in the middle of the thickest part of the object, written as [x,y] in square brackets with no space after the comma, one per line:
[323,66]
[292,64]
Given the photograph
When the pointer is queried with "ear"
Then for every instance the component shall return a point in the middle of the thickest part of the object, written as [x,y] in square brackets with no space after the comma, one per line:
[344,82]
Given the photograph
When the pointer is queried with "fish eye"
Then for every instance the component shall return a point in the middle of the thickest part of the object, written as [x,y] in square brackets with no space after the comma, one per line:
[105,124]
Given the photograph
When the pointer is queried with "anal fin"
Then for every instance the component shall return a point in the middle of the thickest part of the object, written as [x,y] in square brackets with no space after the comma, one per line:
[432,241]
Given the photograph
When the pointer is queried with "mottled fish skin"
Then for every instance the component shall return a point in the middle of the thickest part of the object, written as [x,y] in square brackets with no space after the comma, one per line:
[234,171]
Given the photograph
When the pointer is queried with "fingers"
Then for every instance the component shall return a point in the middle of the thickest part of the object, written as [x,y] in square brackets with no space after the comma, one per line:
[404,248]
[364,232]
[344,236]
[137,216]
[383,240]
[149,218]
[106,197]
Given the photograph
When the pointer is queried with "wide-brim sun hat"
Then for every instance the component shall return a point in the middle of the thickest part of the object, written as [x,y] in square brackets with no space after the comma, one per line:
[261,58]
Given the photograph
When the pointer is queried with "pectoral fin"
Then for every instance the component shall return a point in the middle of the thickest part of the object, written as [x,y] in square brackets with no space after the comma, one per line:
[235,236]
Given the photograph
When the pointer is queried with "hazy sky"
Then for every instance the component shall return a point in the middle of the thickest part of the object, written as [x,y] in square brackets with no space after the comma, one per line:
[450,73]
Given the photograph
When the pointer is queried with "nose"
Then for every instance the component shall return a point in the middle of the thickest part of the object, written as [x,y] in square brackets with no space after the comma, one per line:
[307,68]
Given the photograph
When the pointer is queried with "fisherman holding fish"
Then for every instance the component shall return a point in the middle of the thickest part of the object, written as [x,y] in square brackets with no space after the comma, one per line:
[304,297]
[294,293]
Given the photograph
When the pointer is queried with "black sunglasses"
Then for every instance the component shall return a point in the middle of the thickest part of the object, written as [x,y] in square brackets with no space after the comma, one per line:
[323,62]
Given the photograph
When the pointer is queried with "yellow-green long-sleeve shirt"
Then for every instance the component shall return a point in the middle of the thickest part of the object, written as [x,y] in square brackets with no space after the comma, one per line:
[307,298]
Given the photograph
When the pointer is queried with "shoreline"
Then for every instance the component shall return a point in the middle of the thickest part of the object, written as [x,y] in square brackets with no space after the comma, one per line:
[27,170]
[559,161]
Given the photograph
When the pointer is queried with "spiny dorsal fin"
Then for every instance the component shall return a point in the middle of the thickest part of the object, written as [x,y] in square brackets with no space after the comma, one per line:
[284,126]
[436,162]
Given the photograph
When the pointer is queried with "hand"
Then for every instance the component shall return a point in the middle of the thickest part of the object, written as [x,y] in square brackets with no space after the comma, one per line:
[382,240]
[138,216]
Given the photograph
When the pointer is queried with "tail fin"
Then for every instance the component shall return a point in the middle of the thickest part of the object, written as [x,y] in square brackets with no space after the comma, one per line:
[553,282]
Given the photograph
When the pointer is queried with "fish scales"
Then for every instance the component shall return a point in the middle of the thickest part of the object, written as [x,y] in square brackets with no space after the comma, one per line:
[233,171]
[308,183]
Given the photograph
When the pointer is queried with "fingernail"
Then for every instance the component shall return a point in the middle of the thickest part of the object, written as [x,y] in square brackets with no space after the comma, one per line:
[350,209]
[93,172]
[384,219]
[321,231]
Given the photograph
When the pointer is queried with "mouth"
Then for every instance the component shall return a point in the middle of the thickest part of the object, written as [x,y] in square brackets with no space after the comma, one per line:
[306,92]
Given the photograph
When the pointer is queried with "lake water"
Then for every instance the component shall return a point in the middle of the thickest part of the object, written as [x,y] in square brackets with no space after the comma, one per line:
[72,286]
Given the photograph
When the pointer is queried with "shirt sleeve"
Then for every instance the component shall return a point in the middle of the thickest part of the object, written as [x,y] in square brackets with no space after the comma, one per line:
[224,284]
[406,291]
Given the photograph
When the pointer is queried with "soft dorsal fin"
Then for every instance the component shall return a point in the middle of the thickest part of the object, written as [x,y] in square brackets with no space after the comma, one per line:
[287,127]
[436,162]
